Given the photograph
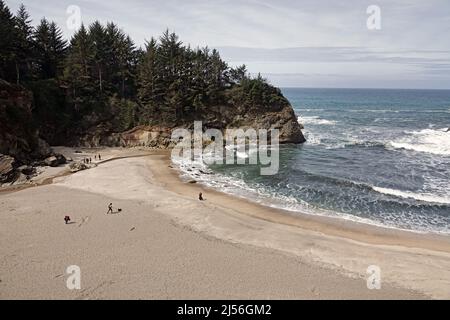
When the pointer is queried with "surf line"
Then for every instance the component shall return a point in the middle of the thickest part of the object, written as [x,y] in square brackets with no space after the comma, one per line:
[200,311]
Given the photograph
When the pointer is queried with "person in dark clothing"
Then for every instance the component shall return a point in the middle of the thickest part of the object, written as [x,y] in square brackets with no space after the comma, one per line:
[110,209]
[99,157]
[200,197]
[90,160]
[67,219]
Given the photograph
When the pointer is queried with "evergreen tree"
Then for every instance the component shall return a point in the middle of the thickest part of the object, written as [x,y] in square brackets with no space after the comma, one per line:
[148,91]
[58,49]
[24,43]
[98,37]
[8,37]
[121,60]
[237,75]
[50,49]
[78,68]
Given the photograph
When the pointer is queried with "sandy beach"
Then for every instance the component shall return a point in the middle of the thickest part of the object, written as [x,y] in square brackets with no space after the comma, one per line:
[165,244]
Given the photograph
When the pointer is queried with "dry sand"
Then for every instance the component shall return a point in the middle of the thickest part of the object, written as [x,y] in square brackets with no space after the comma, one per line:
[166,244]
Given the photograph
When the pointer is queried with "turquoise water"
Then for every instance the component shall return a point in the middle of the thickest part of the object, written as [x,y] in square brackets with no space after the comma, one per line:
[376,156]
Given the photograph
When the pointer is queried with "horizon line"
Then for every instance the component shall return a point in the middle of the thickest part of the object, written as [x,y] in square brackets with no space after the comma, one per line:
[362,88]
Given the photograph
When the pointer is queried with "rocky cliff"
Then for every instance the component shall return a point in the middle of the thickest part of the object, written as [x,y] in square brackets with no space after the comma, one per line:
[18,135]
[20,145]
[279,116]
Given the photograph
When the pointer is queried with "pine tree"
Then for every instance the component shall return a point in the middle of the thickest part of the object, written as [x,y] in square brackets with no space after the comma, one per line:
[58,48]
[121,60]
[78,68]
[237,75]
[98,37]
[148,91]
[24,45]
[8,37]
[50,49]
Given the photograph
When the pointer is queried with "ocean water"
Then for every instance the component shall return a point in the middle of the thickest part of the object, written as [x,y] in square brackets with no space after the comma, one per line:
[374,156]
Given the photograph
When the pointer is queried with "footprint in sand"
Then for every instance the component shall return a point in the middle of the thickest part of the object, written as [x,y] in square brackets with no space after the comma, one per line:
[83,221]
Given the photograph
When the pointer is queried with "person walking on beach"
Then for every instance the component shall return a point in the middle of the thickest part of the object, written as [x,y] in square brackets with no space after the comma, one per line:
[200,197]
[99,158]
[110,209]
[90,160]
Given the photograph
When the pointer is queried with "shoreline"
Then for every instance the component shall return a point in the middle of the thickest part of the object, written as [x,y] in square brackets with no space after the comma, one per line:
[334,226]
[340,241]
[324,258]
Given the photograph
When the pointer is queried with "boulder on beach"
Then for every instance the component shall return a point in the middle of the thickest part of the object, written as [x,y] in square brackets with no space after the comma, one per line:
[55,160]
[77,166]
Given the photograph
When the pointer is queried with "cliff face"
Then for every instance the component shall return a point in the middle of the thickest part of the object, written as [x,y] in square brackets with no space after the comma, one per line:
[18,135]
[279,116]
[20,144]
[160,136]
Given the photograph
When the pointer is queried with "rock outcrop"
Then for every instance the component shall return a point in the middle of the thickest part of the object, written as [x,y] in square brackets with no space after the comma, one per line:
[220,117]
[8,171]
[21,148]
[18,135]
[55,160]
[283,119]
[78,166]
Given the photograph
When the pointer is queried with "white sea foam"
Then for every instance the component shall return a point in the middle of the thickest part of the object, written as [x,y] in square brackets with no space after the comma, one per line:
[313,110]
[312,138]
[260,194]
[315,120]
[412,195]
[427,140]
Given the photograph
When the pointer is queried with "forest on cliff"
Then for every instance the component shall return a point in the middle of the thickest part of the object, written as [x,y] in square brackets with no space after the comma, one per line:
[100,77]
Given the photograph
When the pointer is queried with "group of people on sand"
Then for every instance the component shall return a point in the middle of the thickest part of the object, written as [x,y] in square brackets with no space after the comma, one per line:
[89,160]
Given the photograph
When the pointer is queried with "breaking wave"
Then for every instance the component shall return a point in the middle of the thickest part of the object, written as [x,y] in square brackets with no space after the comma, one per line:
[315,120]
[427,140]
[425,197]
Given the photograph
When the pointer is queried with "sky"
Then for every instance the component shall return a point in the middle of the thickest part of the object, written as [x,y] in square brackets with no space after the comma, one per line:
[302,43]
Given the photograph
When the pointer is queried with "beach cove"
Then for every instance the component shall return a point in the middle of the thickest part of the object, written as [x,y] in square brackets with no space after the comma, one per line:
[166,244]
